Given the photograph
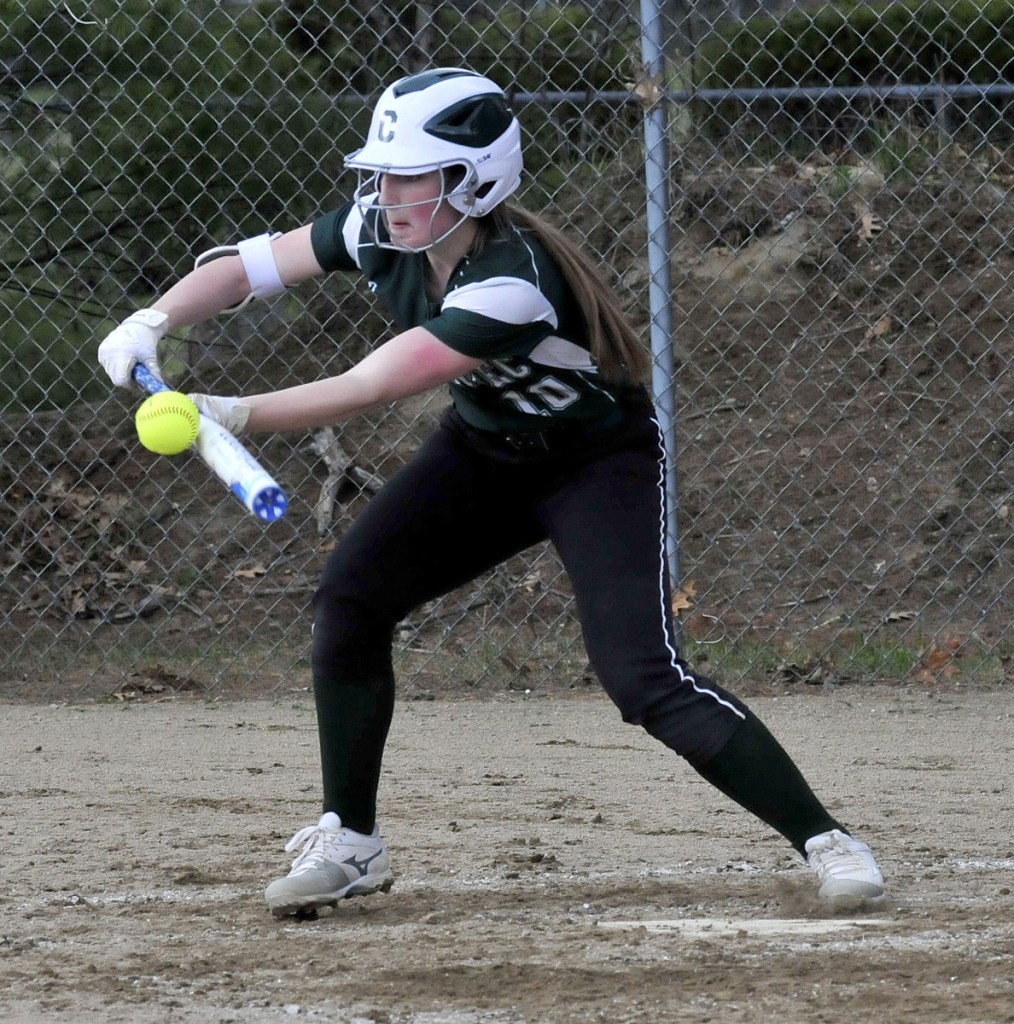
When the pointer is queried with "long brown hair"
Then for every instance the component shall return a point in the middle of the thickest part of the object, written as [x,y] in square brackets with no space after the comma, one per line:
[616,348]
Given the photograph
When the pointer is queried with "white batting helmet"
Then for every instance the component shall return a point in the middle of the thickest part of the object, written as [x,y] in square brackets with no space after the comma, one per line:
[447,117]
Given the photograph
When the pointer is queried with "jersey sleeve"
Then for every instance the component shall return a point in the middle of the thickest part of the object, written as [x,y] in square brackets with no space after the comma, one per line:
[494,318]
[335,238]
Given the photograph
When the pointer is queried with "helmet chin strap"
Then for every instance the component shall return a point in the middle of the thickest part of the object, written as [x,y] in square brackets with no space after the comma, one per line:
[368,191]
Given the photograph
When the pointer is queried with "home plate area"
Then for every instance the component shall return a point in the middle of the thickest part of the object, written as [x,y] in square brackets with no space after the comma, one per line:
[718,927]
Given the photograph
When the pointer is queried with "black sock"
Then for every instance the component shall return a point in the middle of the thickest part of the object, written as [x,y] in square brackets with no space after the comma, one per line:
[352,722]
[754,770]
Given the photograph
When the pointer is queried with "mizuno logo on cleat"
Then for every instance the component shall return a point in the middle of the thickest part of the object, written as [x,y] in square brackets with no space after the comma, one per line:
[362,865]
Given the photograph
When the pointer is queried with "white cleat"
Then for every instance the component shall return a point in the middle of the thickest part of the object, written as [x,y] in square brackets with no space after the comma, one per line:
[844,866]
[334,863]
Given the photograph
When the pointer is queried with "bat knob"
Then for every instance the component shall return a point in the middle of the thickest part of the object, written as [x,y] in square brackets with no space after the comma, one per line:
[269,504]
[266,502]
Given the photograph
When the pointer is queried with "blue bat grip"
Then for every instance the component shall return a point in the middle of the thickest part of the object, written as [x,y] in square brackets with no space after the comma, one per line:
[148,380]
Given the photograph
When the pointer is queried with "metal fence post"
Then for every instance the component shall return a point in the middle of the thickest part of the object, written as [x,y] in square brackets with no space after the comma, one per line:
[656,175]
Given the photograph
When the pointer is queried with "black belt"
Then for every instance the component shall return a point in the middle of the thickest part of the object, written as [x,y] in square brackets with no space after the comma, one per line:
[559,438]
[539,441]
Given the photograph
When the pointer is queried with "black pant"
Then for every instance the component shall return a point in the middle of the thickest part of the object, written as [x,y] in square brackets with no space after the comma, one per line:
[466,502]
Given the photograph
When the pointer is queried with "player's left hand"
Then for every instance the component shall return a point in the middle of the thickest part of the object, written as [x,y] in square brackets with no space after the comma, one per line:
[229,412]
[134,341]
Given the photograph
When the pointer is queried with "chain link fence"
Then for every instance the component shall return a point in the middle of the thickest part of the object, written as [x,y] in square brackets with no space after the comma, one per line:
[835,240]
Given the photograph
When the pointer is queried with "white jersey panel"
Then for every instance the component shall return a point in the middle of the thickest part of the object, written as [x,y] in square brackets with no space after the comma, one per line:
[562,354]
[351,230]
[507,299]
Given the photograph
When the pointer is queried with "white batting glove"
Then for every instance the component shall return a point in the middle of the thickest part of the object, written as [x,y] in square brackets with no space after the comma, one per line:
[134,341]
[230,413]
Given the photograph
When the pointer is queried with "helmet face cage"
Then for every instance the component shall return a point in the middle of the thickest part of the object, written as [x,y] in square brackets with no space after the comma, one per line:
[368,190]
[440,119]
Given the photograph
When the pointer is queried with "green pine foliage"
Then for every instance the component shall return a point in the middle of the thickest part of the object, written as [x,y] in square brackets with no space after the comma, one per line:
[134,135]
[852,43]
[128,144]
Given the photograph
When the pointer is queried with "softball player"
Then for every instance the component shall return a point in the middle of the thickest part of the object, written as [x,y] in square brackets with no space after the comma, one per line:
[550,434]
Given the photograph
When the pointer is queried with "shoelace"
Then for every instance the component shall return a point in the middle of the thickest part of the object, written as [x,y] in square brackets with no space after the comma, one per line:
[828,857]
[313,839]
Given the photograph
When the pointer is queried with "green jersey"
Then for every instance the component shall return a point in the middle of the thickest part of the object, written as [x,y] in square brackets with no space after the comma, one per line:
[510,306]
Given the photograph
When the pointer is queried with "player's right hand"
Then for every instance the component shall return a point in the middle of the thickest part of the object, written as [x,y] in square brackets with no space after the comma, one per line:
[134,341]
[229,412]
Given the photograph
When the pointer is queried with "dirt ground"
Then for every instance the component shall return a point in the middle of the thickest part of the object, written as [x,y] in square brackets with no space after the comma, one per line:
[536,842]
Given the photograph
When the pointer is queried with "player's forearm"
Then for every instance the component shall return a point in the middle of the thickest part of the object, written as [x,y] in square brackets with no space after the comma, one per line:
[204,292]
[409,364]
[317,404]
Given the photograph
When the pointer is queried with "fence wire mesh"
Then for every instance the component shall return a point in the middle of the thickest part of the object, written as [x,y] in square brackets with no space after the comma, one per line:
[839,200]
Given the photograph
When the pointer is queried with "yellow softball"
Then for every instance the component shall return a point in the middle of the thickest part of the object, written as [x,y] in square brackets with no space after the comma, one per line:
[167,423]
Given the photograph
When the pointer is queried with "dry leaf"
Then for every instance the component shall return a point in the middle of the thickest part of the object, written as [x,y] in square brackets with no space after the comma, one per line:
[870,225]
[880,329]
[648,88]
[250,574]
[902,616]
[936,658]
[77,604]
[682,599]
[532,583]
[812,174]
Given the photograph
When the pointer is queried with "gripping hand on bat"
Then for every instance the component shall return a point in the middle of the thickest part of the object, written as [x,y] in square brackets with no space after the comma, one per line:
[134,341]
[229,412]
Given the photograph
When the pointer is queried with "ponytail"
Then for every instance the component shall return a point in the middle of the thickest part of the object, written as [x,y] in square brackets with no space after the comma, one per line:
[616,348]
